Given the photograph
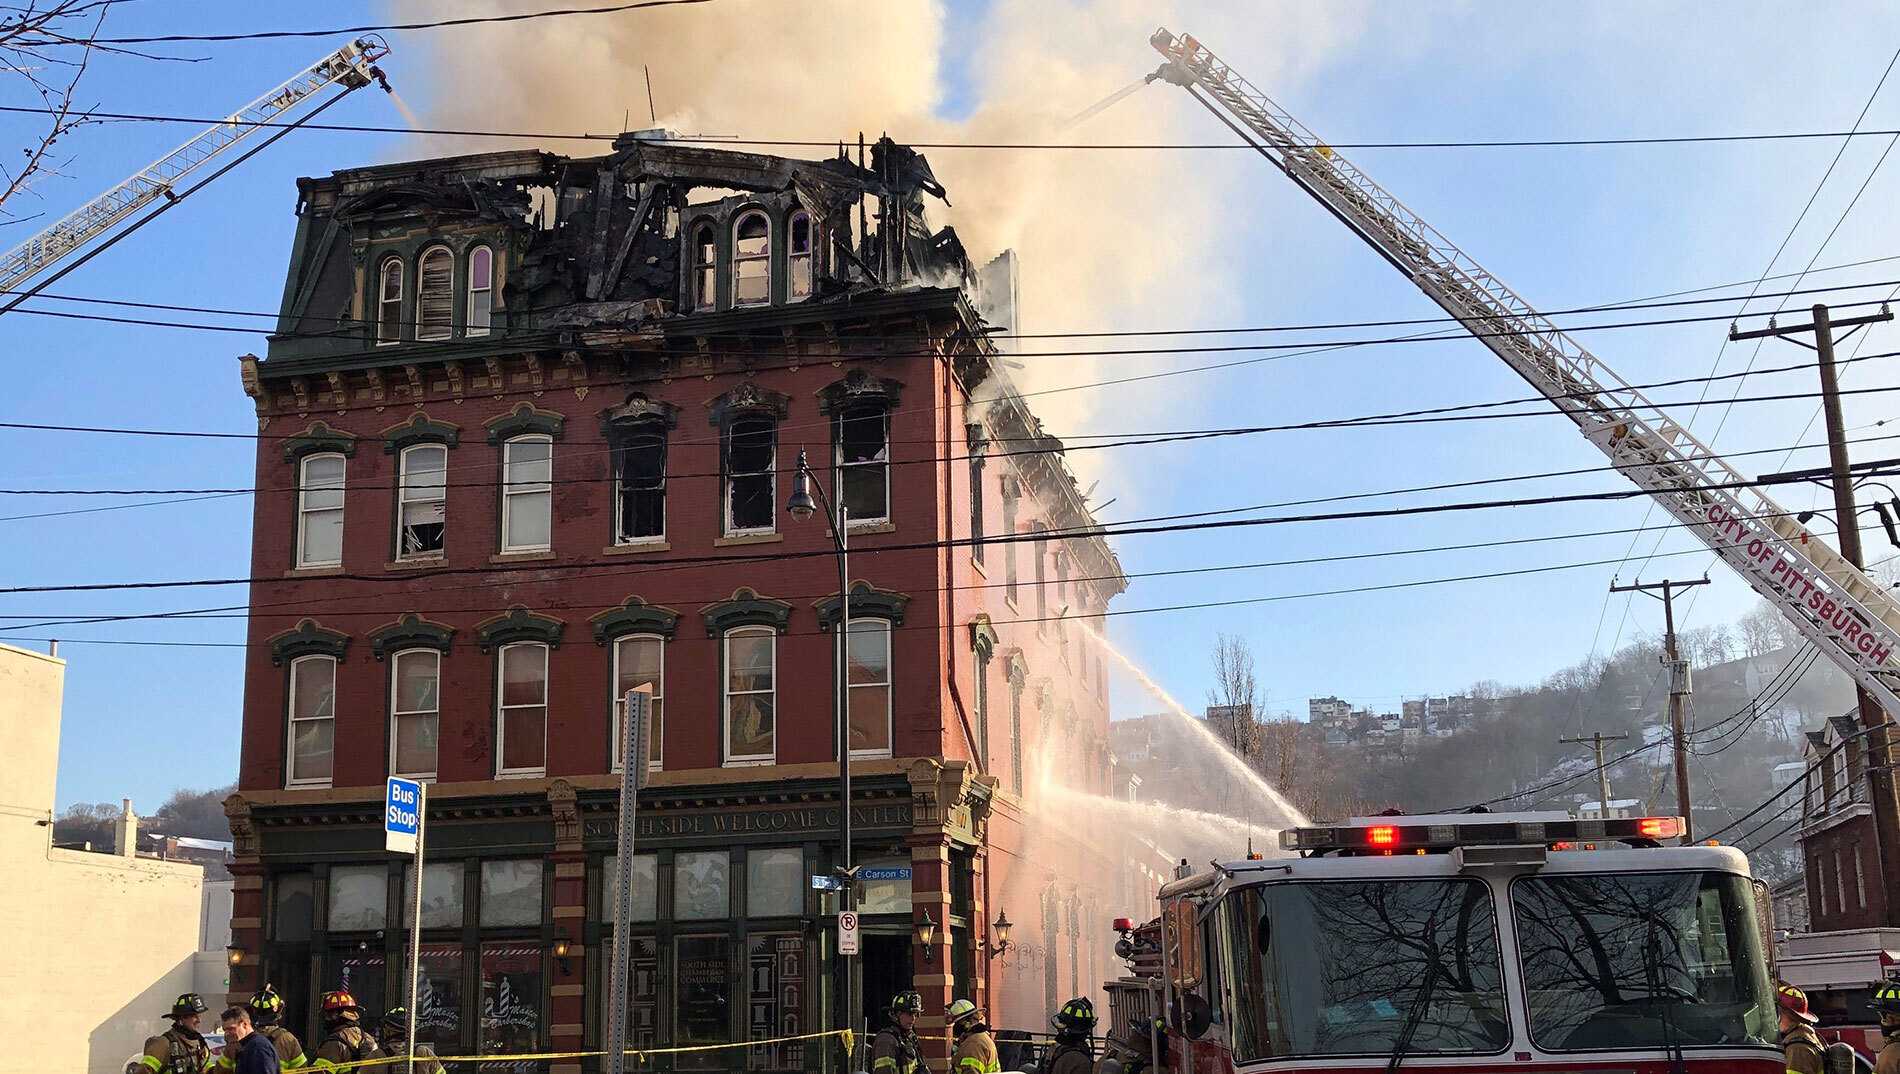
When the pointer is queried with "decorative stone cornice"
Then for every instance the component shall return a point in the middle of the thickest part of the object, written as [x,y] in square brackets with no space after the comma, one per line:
[420,429]
[639,410]
[636,616]
[867,602]
[524,420]
[307,639]
[747,398]
[856,387]
[410,632]
[1017,667]
[745,608]
[319,438]
[518,624]
[982,635]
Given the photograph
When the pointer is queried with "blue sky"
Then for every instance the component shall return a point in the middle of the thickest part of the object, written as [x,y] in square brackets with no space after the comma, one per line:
[1563,226]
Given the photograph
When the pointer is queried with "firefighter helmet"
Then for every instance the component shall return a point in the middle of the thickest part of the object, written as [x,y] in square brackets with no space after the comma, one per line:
[396,1020]
[187,1005]
[1887,998]
[266,1006]
[907,1003]
[1076,1016]
[961,1011]
[1795,1002]
[340,1005]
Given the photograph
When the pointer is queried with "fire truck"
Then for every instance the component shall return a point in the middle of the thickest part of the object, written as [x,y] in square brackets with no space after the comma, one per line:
[1458,943]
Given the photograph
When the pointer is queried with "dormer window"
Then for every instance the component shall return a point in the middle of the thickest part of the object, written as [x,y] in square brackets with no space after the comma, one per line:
[751,260]
[481,289]
[705,268]
[389,301]
[799,257]
[435,295]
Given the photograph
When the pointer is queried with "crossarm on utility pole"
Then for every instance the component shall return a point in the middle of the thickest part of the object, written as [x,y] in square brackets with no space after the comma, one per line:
[1678,687]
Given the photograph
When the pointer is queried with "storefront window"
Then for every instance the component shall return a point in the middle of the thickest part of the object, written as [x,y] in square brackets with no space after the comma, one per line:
[885,887]
[361,973]
[511,1003]
[703,998]
[775,995]
[293,911]
[702,886]
[359,897]
[646,886]
[643,991]
[439,993]
[774,882]
[511,893]
[441,895]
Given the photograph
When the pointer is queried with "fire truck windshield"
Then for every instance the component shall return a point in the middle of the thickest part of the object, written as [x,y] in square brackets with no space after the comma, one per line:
[1359,968]
[1649,960]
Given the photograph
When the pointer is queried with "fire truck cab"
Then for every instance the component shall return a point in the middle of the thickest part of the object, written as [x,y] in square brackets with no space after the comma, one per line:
[1462,942]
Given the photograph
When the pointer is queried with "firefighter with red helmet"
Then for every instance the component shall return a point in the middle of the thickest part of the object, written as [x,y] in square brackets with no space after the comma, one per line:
[1798,1041]
[345,1041]
[180,1049]
[1886,1003]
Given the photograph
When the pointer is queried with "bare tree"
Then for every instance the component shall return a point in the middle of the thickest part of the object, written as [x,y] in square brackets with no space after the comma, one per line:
[47,45]
[1236,691]
[1760,630]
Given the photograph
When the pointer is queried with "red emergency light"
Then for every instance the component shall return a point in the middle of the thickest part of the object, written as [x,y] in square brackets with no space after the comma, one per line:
[1658,827]
[1124,924]
[1382,835]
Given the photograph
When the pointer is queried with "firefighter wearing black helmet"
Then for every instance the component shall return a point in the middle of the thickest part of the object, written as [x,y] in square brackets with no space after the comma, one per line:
[345,1041]
[393,1035]
[180,1049]
[1075,1027]
[1887,1004]
[895,1050]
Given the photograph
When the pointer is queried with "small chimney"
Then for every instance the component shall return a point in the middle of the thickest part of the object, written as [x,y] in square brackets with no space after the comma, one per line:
[126,830]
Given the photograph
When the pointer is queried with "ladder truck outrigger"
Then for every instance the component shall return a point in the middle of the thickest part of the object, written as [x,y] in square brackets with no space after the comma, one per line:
[1492,942]
[353,66]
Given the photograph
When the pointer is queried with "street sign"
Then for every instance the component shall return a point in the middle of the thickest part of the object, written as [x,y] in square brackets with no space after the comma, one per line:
[847,932]
[821,882]
[402,815]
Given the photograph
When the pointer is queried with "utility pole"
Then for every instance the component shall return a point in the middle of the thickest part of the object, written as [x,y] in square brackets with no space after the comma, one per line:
[1878,725]
[1596,741]
[1679,686]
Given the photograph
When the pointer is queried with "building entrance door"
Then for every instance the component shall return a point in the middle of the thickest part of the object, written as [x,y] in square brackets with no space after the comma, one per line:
[886,962]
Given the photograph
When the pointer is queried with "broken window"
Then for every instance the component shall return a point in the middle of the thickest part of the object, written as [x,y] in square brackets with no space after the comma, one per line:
[705,268]
[799,257]
[435,295]
[640,473]
[864,462]
[481,289]
[752,260]
[320,511]
[750,450]
[420,500]
[527,494]
[389,301]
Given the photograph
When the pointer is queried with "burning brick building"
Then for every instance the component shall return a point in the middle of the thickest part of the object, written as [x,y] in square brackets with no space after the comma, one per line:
[528,425]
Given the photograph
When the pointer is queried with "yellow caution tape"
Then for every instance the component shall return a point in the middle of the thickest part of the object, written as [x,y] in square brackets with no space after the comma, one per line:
[640,1054]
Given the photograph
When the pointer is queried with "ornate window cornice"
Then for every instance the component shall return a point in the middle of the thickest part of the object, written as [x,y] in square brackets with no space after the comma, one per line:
[636,616]
[748,398]
[307,638]
[857,387]
[639,410]
[982,636]
[867,602]
[519,624]
[745,608]
[410,632]
[319,438]
[1018,669]
[523,420]
[420,430]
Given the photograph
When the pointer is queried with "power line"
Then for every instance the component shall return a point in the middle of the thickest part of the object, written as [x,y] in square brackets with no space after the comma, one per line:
[832,143]
[433,24]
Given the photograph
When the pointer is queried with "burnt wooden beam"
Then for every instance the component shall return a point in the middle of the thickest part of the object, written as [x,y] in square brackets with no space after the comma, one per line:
[626,246]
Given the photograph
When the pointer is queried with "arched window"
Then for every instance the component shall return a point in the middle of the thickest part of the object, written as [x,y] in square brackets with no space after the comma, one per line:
[481,289]
[522,718]
[639,660]
[389,301]
[312,719]
[705,268]
[415,709]
[751,694]
[320,510]
[868,665]
[799,255]
[421,493]
[751,260]
[435,295]
[527,473]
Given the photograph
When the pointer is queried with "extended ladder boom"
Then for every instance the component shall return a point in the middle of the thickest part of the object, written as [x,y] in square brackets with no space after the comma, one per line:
[353,65]
[1847,615]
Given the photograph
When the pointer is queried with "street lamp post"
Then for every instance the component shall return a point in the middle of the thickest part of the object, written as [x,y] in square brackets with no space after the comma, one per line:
[801,506]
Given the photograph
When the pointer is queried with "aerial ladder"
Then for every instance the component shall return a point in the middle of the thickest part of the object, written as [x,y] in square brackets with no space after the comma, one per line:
[1837,607]
[353,66]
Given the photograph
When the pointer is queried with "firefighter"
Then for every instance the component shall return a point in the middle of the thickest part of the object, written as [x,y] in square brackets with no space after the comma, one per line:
[345,1041]
[180,1049]
[393,1035]
[976,1048]
[1133,1052]
[267,1011]
[1887,1004]
[1075,1026]
[1798,1039]
[895,1050]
